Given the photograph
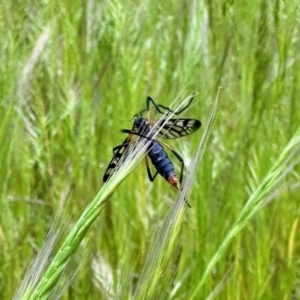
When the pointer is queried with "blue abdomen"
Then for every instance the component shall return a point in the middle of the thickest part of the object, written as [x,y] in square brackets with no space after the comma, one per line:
[161,160]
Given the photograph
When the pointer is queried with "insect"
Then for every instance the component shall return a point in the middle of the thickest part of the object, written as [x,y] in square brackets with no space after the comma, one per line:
[168,129]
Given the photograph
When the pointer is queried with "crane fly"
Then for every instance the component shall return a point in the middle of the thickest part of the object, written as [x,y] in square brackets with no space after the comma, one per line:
[168,129]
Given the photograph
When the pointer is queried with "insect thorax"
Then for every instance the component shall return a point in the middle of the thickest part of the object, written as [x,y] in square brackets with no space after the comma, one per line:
[141,126]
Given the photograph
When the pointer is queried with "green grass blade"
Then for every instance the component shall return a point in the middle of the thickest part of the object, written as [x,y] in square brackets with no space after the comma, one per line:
[287,160]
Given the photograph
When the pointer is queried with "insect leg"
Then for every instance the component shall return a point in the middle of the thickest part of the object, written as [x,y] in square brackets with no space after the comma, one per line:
[151,177]
[167,109]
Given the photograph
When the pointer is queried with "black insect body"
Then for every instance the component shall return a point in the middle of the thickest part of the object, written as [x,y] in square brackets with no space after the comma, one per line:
[168,129]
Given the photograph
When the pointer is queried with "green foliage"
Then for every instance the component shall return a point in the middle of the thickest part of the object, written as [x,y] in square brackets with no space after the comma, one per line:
[74,73]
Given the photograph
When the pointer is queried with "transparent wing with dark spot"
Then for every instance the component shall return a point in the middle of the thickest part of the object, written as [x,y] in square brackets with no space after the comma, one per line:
[176,128]
[120,151]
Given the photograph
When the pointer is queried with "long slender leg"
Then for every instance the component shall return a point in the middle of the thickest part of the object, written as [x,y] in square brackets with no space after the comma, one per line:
[151,178]
[158,107]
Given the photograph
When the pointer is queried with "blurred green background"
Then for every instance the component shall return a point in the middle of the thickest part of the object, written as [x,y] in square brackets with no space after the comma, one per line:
[73,73]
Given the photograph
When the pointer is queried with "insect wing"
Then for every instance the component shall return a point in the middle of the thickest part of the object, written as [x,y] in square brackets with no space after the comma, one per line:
[176,128]
[120,151]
